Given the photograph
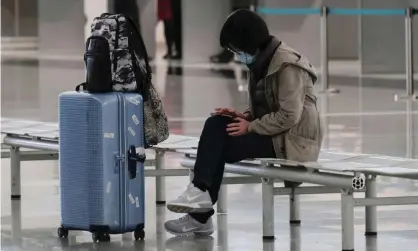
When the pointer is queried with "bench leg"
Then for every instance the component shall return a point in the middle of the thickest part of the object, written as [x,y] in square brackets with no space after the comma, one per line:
[191,175]
[267,189]
[371,221]
[347,219]
[222,233]
[15,173]
[159,181]
[294,209]
[16,223]
[222,200]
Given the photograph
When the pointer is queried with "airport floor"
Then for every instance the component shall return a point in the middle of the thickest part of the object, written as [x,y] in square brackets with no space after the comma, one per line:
[363,117]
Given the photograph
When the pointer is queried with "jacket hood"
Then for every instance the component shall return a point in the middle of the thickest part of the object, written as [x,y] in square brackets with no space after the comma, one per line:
[244,30]
[286,55]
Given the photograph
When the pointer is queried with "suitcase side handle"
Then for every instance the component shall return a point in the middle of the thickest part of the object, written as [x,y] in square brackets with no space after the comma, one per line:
[133,158]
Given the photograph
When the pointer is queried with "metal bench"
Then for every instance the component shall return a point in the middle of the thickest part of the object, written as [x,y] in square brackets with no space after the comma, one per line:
[31,141]
[335,172]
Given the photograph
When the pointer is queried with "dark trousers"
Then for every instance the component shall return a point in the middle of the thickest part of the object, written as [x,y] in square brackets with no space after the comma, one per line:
[169,35]
[216,148]
[178,26]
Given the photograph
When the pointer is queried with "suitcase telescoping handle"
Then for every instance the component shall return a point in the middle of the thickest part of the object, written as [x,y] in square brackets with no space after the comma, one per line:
[133,158]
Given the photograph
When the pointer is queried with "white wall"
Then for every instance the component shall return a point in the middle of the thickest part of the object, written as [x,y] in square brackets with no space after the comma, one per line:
[92,9]
[148,21]
[159,33]
[300,32]
[343,31]
[202,23]
[61,27]
[383,38]
[303,32]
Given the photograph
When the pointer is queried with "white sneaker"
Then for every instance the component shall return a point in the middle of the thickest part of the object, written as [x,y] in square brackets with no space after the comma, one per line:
[193,200]
[186,226]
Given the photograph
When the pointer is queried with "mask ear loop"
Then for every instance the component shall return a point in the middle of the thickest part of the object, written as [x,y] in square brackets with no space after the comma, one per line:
[247,60]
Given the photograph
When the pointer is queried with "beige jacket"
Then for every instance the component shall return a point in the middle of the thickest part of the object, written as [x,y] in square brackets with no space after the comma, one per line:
[295,123]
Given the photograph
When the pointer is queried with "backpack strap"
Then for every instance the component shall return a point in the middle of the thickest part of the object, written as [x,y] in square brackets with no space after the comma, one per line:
[135,28]
[142,46]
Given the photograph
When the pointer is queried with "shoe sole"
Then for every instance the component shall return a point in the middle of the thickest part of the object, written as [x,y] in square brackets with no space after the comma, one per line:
[197,233]
[178,208]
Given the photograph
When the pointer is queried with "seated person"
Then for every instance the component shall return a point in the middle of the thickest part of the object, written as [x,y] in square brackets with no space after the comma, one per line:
[282,120]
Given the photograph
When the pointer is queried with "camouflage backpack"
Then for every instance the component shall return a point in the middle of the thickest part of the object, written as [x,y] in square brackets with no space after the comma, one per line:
[116,60]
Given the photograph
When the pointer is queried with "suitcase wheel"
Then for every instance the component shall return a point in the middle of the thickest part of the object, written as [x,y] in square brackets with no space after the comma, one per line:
[62,232]
[100,237]
[139,234]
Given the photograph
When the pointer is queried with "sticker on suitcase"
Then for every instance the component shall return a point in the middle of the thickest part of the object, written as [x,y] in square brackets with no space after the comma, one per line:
[108,135]
[131,199]
[131,131]
[109,184]
[135,119]
[134,100]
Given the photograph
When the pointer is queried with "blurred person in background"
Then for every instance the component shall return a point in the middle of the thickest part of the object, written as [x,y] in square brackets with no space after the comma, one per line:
[165,14]
[282,120]
[177,20]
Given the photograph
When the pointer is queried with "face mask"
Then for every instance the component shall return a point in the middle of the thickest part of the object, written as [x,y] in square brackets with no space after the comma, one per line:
[244,58]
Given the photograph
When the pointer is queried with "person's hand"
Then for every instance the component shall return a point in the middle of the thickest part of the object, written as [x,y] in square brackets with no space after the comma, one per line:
[225,111]
[231,112]
[238,127]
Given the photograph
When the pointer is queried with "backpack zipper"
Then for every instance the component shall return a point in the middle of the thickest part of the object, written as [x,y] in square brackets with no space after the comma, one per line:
[115,61]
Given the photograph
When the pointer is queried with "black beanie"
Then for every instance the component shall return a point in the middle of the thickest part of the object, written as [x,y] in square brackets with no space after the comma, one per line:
[244,30]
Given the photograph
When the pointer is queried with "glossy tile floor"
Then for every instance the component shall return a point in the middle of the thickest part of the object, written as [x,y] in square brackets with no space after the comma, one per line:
[363,118]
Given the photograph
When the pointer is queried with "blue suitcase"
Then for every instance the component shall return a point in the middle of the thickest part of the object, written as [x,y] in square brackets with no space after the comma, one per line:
[101,172]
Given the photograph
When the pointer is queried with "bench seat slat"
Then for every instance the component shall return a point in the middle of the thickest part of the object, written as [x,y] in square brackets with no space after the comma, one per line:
[383,160]
[407,170]
[27,128]
[326,155]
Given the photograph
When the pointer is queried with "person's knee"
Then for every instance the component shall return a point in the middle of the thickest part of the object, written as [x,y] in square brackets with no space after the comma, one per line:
[217,121]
